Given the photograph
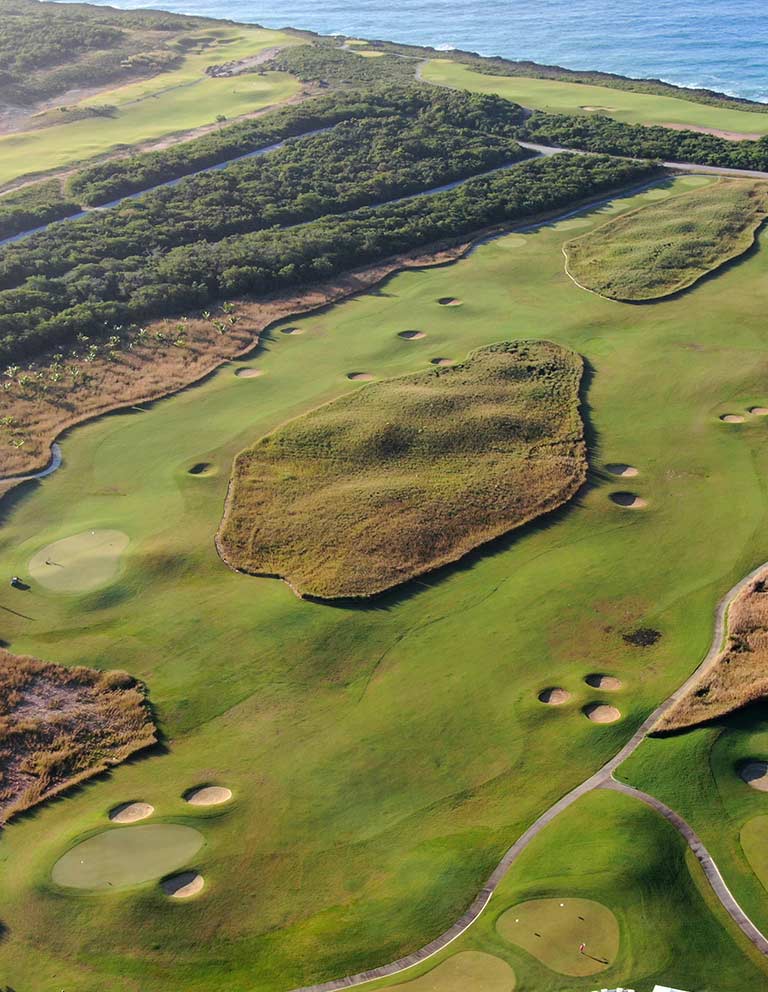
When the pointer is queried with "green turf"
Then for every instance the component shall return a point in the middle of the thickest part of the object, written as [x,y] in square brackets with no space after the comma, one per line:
[79,563]
[667,246]
[384,757]
[172,102]
[411,473]
[554,930]
[468,970]
[124,857]
[754,843]
[573,98]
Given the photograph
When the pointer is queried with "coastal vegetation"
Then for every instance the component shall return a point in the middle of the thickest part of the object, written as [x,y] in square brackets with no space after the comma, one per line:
[32,206]
[669,245]
[408,474]
[325,63]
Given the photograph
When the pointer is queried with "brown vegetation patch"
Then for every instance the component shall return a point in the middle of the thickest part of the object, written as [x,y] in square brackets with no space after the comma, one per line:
[183,885]
[410,473]
[739,674]
[601,713]
[755,773]
[60,725]
[732,418]
[620,468]
[131,812]
[642,637]
[249,373]
[554,696]
[630,501]
[607,682]
[411,335]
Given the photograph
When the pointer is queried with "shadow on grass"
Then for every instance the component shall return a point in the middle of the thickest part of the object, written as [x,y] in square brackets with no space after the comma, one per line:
[751,717]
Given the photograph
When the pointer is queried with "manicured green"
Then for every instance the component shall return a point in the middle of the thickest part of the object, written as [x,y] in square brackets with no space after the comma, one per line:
[79,563]
[577,98]
[668,246]
[127,856]
[384,757]
[754,843]
[468,970]
[166,104]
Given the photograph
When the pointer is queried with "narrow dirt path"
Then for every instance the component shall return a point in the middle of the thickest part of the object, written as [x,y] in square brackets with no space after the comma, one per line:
[601,779]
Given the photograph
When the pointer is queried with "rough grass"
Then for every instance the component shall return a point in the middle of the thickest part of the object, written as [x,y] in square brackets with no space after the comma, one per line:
[409,474]
[739,675]
[59,725]
[668,246]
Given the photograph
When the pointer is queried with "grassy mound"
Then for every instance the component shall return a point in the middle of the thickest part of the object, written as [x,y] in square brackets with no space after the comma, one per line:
[668,246]
[409,474]
[59,725]
[739,675]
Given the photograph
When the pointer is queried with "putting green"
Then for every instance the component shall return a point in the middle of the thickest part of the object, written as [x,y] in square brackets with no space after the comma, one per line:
[553,929]
[470,970]
[81,562]
[117,859]
[754,843]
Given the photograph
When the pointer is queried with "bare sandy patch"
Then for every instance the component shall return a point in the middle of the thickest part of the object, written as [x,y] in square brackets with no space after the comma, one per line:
[620,468]
[249,373]
[732,418]
[554,696]
[131,812]
[601,713]
[291,331]
[755,774]
[359,376]
[441,361]
[758,411]
[411,335]
[607,110]
[208,795]
[629,501]
[183,885]
[449,301]
[717,132]
[608,682]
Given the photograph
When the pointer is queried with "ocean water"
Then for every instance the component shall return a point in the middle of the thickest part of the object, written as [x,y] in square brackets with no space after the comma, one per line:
[720,44]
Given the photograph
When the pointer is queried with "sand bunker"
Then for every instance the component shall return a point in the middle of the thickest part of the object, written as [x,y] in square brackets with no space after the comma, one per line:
[119,858]
[755,773]
[411,335]
[183,885]
[249,373]
[619,468]
[758,411]
[607,682]
[629,501]
[291,330]
[449,301]
[81,562]
[200,468]
[441,361]
[606,109]
[732,418]
[554,696]
[208,795]
[600,713]
[131,812]
[359,376]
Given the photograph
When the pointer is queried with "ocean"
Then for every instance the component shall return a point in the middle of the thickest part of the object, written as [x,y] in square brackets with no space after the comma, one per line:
[720,44]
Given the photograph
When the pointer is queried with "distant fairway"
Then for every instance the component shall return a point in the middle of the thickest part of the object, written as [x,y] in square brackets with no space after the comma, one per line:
[79,563]
[668,246]
[578,98]
[117,859]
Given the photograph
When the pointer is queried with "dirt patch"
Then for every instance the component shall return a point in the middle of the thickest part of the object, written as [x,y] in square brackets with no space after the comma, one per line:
[208,795]
[755,773]
[717,132]
[606,682]
[131,812]
[249,373]
[441,361]
[601,713]
[183,885]
[619,468]
[411,335]
[629,501]
[359,376]
[554,696]
[732,418]
[449,301]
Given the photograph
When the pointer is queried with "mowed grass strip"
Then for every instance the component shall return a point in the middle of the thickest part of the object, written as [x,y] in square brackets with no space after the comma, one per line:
[410,473]
[665,247]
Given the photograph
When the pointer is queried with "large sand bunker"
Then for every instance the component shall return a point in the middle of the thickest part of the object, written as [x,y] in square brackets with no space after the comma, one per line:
[732,418]
[131,812]
[607,682]
[601,713]
[183,885]
[622,469]
[630,501]
[755,773]
[449,301]
[554,696]
[249,373]
[81,562]
[411,335]
[758,411]
[208,795]
[118,859]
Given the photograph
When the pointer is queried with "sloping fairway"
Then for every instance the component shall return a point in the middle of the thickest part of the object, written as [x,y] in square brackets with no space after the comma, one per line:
[554,929]
[462,972]
[120,858]
[754,843]
[668,246]
[79,563]
[409,474]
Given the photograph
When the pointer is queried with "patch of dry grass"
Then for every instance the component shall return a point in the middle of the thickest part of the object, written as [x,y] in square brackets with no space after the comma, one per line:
[739,675]
[408,474]
[60,725]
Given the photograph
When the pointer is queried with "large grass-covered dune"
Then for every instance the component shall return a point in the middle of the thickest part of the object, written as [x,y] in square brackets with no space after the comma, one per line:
[410,473]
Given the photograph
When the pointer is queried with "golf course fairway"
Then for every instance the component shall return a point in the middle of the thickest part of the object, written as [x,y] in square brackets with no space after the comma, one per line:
[384,756]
